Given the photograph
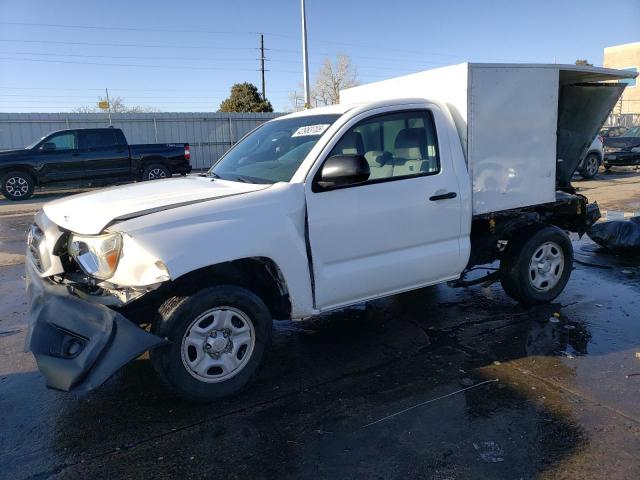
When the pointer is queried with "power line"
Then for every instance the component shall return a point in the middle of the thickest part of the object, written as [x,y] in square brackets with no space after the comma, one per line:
[66,102]
[357,57]
[185,108]
[276,60]
[134,57]
[114,89]
[228,32]
[123,44]
[284,50]
[137,29]
[172,67]
[93,97]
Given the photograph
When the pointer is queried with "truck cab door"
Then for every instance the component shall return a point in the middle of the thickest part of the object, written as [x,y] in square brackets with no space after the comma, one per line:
[107,154]
[400,229]
[60,158]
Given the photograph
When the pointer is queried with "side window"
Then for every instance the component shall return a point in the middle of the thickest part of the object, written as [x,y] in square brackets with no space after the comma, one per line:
[395,145]
[64,141]
[98,139]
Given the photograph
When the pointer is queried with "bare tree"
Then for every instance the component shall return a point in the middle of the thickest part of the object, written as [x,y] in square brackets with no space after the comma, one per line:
[332,77]
[117,106]
[85,109]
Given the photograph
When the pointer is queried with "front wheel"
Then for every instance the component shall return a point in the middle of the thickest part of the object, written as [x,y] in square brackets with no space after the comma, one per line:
[591,166]
[536,267]
[155,171]
[219,339]
[17,185]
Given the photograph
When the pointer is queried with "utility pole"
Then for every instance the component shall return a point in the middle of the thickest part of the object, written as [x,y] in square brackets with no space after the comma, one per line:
[305,59]
[109,105]
[264,95]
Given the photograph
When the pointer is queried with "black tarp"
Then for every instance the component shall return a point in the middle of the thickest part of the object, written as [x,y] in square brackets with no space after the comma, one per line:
[618,235]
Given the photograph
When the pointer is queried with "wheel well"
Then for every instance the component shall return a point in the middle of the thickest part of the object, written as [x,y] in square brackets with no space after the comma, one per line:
[261,275]
[147,161]
[597,152]
[490,232]
[20,168]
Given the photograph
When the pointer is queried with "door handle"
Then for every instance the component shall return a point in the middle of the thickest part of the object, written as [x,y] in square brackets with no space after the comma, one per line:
[443,196]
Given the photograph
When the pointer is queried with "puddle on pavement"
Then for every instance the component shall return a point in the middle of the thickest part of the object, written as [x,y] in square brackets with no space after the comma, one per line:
[328,377]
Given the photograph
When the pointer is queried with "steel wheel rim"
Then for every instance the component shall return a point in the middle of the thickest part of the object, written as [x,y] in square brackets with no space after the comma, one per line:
[546,266]
[17,186]
[218,344]
[157,173]
[592,165]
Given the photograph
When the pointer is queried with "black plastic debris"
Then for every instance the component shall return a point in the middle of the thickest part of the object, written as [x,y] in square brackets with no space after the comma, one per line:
[621,236]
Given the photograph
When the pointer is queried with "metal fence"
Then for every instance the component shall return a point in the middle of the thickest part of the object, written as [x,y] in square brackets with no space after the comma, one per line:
[209,134]
[623,120]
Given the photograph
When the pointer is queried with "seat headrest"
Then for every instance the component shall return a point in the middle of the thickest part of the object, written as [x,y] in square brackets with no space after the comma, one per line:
[411,138]
[350,144]
[411,143]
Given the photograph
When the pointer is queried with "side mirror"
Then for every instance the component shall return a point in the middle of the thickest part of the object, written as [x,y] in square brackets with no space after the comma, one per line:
[49,146]
[342,170]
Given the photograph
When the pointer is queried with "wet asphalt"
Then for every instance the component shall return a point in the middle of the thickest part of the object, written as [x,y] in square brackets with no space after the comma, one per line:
[438,383]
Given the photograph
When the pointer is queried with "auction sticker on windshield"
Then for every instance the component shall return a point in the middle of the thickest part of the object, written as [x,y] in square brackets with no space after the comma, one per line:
[310,130]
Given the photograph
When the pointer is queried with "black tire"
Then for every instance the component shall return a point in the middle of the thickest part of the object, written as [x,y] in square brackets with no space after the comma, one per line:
[517,279]
[17,185]
[178,316]
[155,171]
[590,166]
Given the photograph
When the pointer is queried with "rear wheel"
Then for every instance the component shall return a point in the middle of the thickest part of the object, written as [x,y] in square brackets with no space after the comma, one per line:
[155,171]
[17,185]
[536,267]
[590,166]
[220,337]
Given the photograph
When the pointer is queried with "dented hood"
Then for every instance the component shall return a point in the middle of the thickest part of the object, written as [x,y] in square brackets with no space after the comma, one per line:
[89,213]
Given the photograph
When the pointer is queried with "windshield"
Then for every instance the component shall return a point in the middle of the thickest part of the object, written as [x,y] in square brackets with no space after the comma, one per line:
[32,145]
[632,132]
[273,152]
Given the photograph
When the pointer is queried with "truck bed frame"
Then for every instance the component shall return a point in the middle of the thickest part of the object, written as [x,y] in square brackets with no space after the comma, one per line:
[491,232]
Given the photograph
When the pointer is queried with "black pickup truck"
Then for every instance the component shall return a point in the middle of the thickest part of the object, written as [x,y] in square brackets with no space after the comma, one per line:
[87,156]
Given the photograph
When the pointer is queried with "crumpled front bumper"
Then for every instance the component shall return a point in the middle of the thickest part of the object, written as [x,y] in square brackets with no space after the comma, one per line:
[78,344]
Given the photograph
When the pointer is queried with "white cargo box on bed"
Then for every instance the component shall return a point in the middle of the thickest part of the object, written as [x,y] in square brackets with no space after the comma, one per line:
[523,127]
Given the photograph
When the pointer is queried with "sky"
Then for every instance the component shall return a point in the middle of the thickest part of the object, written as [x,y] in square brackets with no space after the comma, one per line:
[184,56]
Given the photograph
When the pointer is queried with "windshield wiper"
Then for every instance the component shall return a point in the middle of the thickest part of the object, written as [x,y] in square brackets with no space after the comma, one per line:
[242,179]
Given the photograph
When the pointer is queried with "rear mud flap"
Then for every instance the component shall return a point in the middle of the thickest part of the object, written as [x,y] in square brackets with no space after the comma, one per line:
[77,344]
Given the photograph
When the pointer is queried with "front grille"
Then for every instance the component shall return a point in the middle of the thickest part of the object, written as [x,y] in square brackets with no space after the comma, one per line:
[34,241]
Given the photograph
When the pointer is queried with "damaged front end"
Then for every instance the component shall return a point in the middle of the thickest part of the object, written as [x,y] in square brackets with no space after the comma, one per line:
[78,344]
[76,334]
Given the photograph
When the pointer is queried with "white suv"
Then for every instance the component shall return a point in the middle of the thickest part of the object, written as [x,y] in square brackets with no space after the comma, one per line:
[589,166]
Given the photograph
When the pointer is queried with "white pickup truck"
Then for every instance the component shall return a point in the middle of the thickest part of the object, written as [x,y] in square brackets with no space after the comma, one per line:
[408,182]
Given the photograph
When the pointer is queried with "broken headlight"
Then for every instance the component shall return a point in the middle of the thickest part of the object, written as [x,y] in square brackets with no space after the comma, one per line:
[97,255]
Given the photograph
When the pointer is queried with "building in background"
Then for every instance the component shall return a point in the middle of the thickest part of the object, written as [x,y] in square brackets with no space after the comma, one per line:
[625,57]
